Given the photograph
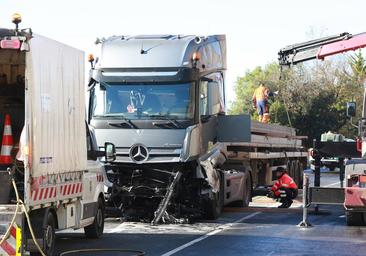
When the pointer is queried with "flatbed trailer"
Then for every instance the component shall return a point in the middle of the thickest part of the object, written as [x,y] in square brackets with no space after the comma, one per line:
[270,146]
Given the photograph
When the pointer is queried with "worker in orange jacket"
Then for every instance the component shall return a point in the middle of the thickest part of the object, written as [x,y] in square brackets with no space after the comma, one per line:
[260,102]
[284,189]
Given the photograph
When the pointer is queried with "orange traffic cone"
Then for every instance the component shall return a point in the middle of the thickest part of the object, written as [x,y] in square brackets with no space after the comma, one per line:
[7,144]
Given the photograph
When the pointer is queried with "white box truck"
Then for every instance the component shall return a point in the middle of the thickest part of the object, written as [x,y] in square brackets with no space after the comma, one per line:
[57,172]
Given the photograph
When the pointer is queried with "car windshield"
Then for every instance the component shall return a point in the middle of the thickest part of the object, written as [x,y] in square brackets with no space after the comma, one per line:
[144,101]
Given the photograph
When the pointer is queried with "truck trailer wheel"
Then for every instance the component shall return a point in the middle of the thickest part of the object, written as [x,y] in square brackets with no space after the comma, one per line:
[247,193]
[48,236]
[301,174]
[214,205]
[95,230]
[295,170]
[298,173]
[354,218]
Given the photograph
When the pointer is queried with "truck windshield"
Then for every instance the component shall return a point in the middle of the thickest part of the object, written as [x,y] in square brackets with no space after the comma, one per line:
[144,101]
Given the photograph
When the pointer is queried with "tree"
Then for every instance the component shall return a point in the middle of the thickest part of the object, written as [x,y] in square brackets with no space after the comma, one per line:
[358,66]
[311,97]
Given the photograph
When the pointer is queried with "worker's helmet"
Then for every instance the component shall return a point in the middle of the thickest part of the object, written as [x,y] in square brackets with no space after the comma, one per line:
[281,170]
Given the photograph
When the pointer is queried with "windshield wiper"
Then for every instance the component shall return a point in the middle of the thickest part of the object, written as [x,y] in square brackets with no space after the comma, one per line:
[120,117]
[166,118]
[128,123]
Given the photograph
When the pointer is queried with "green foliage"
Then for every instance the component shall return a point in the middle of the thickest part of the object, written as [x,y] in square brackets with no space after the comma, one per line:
[312,97]
[358,66]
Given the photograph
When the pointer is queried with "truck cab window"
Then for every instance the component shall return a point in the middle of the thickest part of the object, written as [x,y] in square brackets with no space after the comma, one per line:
[144,101]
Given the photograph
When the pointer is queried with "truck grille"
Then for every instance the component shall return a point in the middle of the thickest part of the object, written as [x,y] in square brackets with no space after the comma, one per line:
[156,155]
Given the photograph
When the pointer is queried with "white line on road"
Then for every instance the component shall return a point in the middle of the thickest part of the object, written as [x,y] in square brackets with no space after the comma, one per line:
[212,233]
[335,183]
[118,228]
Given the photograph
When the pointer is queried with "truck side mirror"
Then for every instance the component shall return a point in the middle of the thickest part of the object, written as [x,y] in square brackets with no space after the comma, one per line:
[110,152]
[351,109]
[213,98]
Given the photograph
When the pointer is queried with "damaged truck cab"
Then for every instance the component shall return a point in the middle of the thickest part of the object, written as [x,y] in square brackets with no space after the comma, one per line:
[161,100]
[158,99]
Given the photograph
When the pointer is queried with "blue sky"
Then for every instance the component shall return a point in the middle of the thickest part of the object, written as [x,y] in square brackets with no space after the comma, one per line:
[255,29]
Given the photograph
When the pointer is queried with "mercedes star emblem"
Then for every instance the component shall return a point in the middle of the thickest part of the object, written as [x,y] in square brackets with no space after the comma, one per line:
[139,153]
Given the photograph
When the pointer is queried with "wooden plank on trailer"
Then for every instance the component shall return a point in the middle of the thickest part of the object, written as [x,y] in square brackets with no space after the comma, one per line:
[265,145]
[269,142]
[258,139]
[272,129]
[262,155]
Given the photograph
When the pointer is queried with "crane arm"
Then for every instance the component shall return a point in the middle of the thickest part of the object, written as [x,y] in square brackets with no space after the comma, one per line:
[321,48]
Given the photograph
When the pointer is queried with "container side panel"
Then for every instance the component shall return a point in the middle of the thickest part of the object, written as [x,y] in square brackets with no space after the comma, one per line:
[55,76]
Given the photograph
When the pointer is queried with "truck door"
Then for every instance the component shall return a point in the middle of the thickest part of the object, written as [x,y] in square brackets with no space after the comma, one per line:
[91,177]
[234,128]
[215,125]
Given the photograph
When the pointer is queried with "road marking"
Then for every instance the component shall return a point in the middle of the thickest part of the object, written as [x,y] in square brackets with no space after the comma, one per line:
[118,228]
[212,233]
[335,183]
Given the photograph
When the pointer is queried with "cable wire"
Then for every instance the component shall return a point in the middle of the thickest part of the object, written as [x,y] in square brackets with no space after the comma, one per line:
[137,252]
[20,204]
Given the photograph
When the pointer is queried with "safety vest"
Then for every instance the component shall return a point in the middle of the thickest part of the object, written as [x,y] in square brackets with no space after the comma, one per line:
[261,93]
[285,181]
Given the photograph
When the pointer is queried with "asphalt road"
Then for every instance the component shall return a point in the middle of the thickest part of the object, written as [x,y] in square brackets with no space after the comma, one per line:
[261,229]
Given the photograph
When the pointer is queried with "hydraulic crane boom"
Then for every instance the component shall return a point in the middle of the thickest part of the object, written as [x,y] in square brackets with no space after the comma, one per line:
[324,47]
[320,48]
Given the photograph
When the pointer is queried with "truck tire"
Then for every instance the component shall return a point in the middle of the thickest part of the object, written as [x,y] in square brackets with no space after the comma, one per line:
[48,236]
[301,175]
[247,193]
[292,169]
[354,218]
[295,170]
[298,173]
[213,207]
[247,197]
[96,229]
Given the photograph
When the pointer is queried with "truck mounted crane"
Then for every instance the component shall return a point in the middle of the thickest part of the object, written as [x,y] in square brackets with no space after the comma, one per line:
[352,196]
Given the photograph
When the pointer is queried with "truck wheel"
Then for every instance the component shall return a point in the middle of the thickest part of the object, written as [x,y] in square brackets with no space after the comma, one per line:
[354,218]
[48,236]
[297,173]
[95,230]
[214,205]
[292,169]
[247,194]
[247,197]
[301,175]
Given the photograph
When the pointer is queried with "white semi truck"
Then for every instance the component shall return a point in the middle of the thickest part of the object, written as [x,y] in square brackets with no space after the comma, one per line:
[58,177]
[161,100]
